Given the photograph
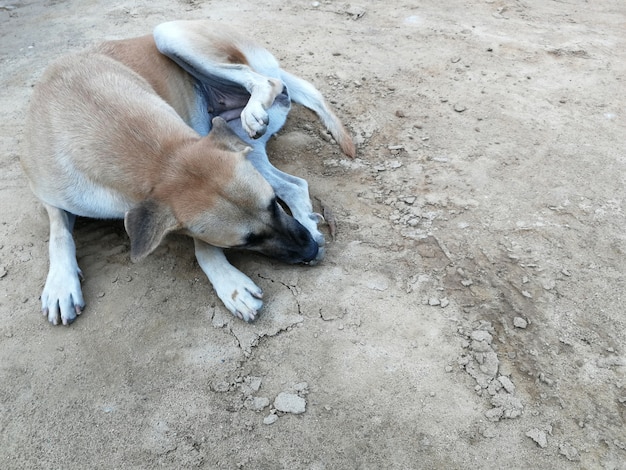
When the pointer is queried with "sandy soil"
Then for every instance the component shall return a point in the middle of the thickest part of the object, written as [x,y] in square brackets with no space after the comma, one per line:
[469,314]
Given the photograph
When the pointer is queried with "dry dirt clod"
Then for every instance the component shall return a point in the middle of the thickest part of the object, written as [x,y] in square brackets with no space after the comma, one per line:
[539,437]
[290,403]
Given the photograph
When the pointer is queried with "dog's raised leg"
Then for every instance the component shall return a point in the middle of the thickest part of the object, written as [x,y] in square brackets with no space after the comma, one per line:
[217,63]
[62,296]
[236,290]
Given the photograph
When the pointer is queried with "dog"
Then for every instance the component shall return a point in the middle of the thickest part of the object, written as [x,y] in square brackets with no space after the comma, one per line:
[168,132]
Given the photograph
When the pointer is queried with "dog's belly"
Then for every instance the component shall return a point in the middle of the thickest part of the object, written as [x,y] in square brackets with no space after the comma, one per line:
[87,199]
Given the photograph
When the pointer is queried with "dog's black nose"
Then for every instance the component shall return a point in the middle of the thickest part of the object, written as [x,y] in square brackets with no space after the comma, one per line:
[311,253]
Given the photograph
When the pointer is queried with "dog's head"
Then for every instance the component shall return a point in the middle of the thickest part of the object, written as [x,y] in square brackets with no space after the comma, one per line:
[214,194]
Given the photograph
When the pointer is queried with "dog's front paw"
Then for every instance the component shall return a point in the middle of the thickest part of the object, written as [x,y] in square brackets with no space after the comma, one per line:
[240,295]
[254,119]
[62,297]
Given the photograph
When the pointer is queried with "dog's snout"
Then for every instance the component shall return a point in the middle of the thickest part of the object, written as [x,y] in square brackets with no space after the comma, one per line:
[311,255]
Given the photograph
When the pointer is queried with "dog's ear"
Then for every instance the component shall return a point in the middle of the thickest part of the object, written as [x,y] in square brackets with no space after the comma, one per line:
[146,225]
[223,137]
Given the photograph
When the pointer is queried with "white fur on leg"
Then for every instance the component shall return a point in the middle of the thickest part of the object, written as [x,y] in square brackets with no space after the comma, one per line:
[62,296]
[236,290]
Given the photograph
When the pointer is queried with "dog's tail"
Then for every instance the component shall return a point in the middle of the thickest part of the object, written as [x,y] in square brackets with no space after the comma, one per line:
[304,93]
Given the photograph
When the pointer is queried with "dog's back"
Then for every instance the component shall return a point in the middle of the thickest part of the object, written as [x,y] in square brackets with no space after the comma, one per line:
[74,120]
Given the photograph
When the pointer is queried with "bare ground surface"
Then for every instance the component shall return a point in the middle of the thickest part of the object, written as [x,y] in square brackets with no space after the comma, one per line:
[469,313]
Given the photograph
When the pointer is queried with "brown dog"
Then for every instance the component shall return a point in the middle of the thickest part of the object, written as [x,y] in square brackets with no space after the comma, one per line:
[169,132]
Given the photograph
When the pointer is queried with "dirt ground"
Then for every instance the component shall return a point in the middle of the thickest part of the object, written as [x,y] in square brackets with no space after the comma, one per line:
[469,313]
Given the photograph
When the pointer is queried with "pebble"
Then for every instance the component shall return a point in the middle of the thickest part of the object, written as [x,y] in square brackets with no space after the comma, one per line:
[459,108]
[433,301]
[444,302]
[3,271]
[569,451]
[519,322]
[290,403]
[481,335]
[539,437]
[494,414]
[270,419]
[220,387]
[507,384]
[256,403]
[301,388]
[467,282]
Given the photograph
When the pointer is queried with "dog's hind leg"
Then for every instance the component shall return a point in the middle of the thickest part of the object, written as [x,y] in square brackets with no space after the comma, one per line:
[62,296]
[219,64]
[236,290]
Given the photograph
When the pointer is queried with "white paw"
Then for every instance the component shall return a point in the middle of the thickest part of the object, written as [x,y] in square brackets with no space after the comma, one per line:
[62,297]
[254,119]
[240,295]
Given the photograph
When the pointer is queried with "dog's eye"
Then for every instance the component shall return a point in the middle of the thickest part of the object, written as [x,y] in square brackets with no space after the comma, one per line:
[255,239]
[273,206]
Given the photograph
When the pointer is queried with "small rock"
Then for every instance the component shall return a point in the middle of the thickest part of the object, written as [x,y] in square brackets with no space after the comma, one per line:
[506,383]
[433,301]
[494,414]
[301,388]
[569,451]
[270,419]
[290,403]
[565,272]
[3,271]
[256,403]
[481,335]
[467,282]
[253,382]
[100,294]
[220,387]
[449,369]
[527,294]
[400,113]
[444,302]
[490,364]
[519,322]
[489,432]
[459,108]
[539,437]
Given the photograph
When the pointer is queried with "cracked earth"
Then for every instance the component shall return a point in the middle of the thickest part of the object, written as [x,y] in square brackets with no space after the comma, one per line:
[470,309]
